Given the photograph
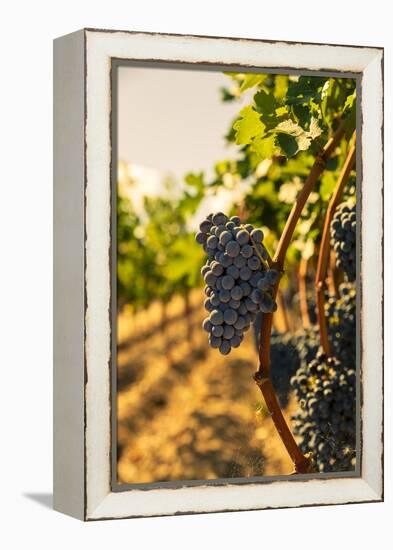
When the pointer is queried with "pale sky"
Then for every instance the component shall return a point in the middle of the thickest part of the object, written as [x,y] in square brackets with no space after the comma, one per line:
[172,120]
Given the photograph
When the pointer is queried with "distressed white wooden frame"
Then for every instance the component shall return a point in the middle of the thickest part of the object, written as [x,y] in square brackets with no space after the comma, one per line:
[82,449]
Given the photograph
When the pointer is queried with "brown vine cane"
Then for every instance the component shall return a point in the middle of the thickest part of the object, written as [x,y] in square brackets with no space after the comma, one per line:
[324,252]
[303,464]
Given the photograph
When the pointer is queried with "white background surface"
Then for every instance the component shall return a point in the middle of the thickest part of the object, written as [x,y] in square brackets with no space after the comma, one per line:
[26,304]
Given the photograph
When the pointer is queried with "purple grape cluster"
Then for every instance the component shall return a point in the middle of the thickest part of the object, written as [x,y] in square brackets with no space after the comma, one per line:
[326,392]
[343,238]
[238,280]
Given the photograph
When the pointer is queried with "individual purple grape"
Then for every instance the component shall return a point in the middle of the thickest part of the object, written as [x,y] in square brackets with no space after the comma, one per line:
[242,237]
[204,270]
[220,229]
[256,277]
[249,227]
[210,279]
[217,268]
[207,325]
[219,218]
[235,341]
[235,220]
[215,300]
[263,283]
[251,306]
[240,323]
[230,316]
[234,304]
[242,310]
[256,296]
[224,296]
[226,260]
[246,288]
[237,293]
[217,331]
[233,271]
[208,305]
[230,225]
[216,317]
[208,290]
[245,273]
[201,238]
[239,262]
[205,226]
[232,249]
[254,263]
[212,242]
[227,282]
[225,237]
[225,347]
[246,251]
[229,332]
[215,342]
[257,235]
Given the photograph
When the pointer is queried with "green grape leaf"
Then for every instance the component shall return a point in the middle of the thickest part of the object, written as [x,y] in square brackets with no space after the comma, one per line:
[226,95]
[349,114]
[303,90]
[266,105]
[288,144]
[264,147]
[297,139]
[251,80]
[289,127]
[315,130]
[248,126]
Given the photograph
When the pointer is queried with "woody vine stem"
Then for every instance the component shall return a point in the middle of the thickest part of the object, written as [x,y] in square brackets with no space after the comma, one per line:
[323,259]
[302,463]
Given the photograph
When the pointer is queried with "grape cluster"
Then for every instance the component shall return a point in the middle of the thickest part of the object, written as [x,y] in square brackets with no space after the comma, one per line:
[326,392]
[343,238]
[238,281]
[341,317]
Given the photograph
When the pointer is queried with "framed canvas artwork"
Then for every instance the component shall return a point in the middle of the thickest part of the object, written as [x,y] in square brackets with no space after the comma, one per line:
[218,341]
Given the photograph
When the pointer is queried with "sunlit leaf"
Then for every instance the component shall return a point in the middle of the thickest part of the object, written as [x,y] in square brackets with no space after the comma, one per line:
[251,80]
[265,147]
[248,126]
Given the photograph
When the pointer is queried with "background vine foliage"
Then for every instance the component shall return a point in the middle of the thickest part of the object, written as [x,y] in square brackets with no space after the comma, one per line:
[237,324]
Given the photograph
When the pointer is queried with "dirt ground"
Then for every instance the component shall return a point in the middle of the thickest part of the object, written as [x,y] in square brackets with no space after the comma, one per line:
[185,412]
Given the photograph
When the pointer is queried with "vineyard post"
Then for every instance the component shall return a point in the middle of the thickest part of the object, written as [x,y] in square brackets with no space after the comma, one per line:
[303,464]
[324,252]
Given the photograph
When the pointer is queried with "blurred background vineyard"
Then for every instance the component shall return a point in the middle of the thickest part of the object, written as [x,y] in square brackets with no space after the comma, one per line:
[184,411]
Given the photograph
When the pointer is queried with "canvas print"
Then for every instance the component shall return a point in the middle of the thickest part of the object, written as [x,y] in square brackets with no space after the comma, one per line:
[236,265]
